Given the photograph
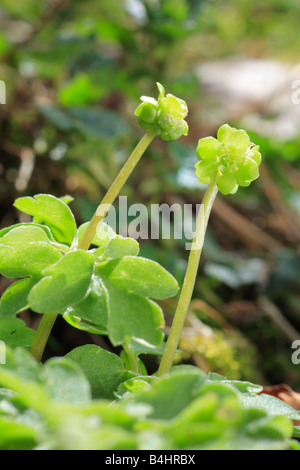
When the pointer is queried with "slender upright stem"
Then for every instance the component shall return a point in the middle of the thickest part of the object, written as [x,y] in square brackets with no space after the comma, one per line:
[189,280]
[42,335]
[115,189]
[133,360]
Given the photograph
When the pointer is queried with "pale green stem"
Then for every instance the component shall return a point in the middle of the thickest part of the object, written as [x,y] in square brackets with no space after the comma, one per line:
[189,279]
[133,360]
[114,190]
[42,335]
[48,320]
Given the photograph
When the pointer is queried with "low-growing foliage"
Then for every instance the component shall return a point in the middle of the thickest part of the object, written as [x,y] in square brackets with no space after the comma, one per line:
[89,401]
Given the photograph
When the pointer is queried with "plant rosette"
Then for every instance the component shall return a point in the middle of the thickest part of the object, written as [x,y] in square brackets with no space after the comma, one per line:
[231,158]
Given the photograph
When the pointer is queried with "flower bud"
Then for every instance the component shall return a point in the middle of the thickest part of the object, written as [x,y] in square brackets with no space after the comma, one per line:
[164,115]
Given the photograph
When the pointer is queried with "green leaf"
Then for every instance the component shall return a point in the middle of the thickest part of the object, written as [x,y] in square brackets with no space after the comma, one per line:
[5,230]
[67,199]
[51,211]
[271,405]
[134,386]
[21,374]
[118,247]
[140,346]
[23,234]
[14,333]
[221,389]
[65,381]
[4,250]
[236,385]
[22,363]
[295,445]
[102,237]
[92,309]
[16,436]
[18,236]
[140,276]
[171,394]
[273,426]
[104,370]
[201,409]
[182,410]
[14,299]
[83,325]
[29,260]
[65,283]
[134,315]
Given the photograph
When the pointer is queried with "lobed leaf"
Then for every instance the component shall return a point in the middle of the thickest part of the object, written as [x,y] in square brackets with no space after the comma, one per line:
[118,247]
[92,309]
[65,381]
[272,405]
[169,396]
[102,237]
[23,234]
[140,276]
[29,260]
[104,370]
[51,211]
[134,315]
[5,230]
[14,333]
[65,283]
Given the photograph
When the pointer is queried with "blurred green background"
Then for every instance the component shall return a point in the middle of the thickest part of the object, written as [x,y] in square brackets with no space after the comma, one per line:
[74,72]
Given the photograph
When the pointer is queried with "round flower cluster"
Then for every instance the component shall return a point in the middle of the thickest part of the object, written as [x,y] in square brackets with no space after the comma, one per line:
[231,159]
[164,115]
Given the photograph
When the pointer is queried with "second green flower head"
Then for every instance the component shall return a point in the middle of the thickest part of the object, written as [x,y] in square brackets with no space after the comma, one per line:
[231,158]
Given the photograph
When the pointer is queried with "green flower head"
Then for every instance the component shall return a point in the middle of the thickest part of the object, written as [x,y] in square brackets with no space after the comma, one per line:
[164,115]
[231,158]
